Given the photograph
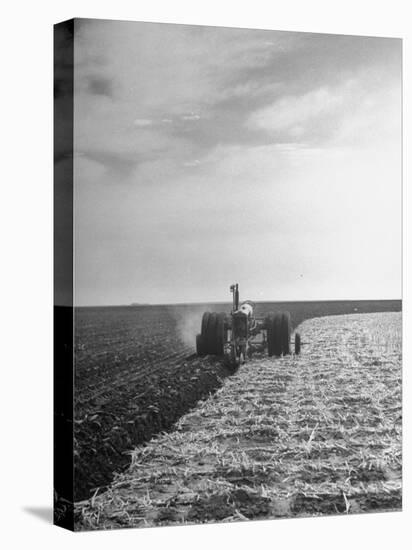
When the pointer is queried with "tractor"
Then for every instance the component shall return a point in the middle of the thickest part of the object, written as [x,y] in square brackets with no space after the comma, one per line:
[238,334]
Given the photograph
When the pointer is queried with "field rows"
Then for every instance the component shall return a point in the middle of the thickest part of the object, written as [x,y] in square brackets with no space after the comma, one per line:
[315,434]
[102,392]
[136,406]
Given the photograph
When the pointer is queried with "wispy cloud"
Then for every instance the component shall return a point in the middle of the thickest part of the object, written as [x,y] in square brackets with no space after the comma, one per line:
[292,114]
[191,163]
[143,122]
[191,116]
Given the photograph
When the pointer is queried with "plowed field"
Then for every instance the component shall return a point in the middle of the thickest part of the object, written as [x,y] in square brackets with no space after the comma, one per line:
[309,435]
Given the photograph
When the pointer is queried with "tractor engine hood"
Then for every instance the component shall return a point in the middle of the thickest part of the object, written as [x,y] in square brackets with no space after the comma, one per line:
[246,308]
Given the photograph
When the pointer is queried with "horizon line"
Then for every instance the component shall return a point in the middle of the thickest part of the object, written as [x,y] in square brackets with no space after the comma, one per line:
[152,304]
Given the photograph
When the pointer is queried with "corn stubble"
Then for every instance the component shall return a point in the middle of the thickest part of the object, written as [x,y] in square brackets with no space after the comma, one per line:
[306,435]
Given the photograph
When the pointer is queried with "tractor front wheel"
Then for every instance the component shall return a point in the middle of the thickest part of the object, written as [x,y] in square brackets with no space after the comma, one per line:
[237,356]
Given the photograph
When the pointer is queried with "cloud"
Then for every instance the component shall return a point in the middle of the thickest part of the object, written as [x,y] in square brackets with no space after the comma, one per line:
[192,87]
[292,114]
[191,116]
[191,163]
[116,164]
[353,113]
[142,122]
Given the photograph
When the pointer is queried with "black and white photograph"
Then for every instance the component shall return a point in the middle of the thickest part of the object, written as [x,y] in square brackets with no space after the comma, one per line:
[232,208]
[205,275]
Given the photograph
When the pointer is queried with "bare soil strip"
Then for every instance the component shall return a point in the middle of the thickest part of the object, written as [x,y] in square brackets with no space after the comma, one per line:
[309,435]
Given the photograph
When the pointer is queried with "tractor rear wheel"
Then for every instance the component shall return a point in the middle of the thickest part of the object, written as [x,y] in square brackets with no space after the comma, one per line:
[211,344]
[204,333]
[220,333]
[205,320]
[274,334]
[269,331]
[200,345]
[277,335]
[285,332]
[297,343]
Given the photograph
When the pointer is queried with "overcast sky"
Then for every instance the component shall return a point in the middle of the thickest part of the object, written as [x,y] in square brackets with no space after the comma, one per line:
[206,156]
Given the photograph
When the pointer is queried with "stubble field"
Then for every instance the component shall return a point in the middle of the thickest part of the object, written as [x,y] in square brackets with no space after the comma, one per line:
[314,434]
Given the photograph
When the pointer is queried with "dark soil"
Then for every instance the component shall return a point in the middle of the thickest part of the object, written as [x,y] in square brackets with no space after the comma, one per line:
[106,434]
